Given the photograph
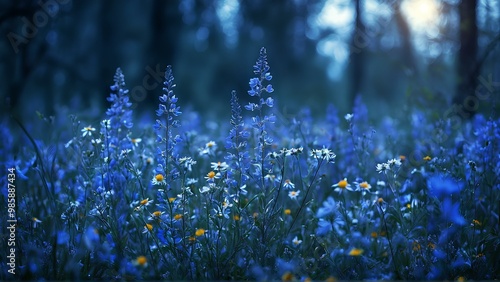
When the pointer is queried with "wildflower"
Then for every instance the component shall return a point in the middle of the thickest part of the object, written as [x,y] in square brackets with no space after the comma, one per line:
[416,246]
[427,158]
[270,177]
[226,204]
[294,151]
[348,117]
[476,222]
[451,212]
[96,142]
[287,212]
[147,228]
[342,185]
[331,279]
[106,123]
[145,202]
[441,185]
[394,162]
[329,207]
[287,276]
[211,176]
[171,199]
[383,167]
[364,186]
[191,181]
[402,158]
[177,216]
[187,162]
[219,166]
[135,141]
[355,252]
[141,261]
[211,145]
[156,215]
[293,194]
[381,183]
[36,221]
[87,131]
[149,160]
[206,189]
[192,239]
[296,241]
[288,184]
[199,232]
[158,179]
[324,154]
[374,234]
[209,148]
[236,217]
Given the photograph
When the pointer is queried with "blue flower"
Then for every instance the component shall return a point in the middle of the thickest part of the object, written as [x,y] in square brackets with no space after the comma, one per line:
[450,212]
[329,207]
[442,186]
[167,113]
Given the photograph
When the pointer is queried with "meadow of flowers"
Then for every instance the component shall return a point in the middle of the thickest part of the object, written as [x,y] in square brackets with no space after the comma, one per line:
[260,196]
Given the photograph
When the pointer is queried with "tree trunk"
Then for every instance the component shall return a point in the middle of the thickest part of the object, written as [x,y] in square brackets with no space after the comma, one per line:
[467,59]
[359,43]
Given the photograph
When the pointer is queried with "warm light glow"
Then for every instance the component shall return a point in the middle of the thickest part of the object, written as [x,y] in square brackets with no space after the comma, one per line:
[422,15]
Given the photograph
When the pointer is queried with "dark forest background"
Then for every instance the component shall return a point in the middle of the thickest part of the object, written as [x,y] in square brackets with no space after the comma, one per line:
[62,55]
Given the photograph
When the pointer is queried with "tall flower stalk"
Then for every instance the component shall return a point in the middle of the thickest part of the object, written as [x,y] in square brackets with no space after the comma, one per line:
[167,113]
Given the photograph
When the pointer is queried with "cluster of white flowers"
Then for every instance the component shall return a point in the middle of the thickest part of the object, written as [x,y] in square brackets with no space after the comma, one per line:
[389,165]
[286,152]
[187,163]
[324,154]
[209,149]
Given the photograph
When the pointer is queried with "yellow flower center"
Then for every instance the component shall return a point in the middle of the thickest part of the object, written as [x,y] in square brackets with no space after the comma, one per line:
[211,175]
[287,211]
[380,200]
[427,158]
[157,213]
[149,226]
[178,216]
[144,202]
[141,260]
[356,252]
[293,193]
[364,185]
[342,184]
[288,276]
[159,177]
[374,234]
[236,217]
[171,200]
[200,232]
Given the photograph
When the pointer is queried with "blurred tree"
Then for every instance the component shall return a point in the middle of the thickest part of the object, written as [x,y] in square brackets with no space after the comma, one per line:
[359,43]
[19,59]
[467,67]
